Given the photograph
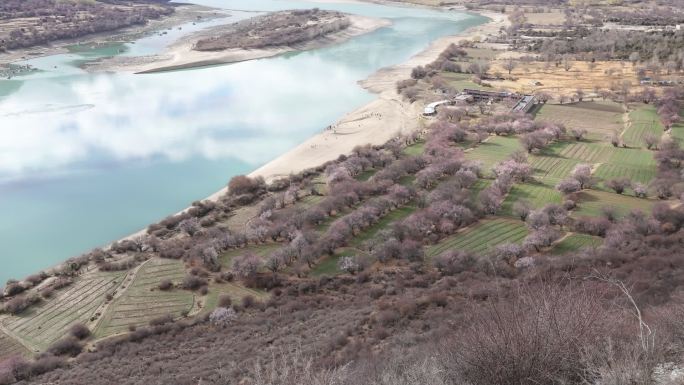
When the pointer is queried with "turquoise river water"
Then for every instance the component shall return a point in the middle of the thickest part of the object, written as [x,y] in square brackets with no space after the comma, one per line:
[89,158]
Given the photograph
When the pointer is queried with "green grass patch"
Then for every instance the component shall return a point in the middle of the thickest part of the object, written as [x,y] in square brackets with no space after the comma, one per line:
[235,291]
[365,175]
[678,128]
[415,149]
[461,81]
[328,266]
[551,169]
[482,236]
[383,223]
[407,180]
[538,194]
[592,202]
[480,185]
[494,150]
[584,151]
[259,250]
[609,171]
[644,121]
[574,242]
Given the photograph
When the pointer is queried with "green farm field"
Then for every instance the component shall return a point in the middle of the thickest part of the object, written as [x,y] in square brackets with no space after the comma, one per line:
[592,202]
[482,236]
[383,223]
[575,242]
[258,250]
[235,291]
[643,120]
[538,194]
[494,150]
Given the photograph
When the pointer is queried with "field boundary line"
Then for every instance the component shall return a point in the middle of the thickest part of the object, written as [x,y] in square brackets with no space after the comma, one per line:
[102,309]
[19,340]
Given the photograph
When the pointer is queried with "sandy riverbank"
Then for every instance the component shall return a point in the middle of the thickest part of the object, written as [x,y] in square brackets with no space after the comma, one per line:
[376,122]
[180,55]
[185,13]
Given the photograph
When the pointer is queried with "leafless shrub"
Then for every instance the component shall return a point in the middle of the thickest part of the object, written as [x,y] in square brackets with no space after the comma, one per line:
[79,331]
[537,337]
[191,282]
[165,284]
[68,346]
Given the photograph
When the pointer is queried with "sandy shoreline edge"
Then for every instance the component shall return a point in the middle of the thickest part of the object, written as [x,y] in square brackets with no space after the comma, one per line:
[376,122]
[369,123]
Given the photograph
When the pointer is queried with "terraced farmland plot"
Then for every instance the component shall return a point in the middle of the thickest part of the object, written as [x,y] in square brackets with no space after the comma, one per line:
[635,173]
[142,301]
[632,156]
[601,119]
[592,202]
[43,324]
[586,152]
[480,185]
[240,218]
[303,204]
[482,237]
[258,250]
[643,121]
[633,163]
[574,242]
[537,194]
[460,81]
[552,169]
[678,128]
[235,291]
[496,149]
[328,266]
[9,347]
[383,223]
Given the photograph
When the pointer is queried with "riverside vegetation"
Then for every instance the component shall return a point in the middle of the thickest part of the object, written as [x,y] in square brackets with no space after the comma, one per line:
[275,29]
[26,23]
[490,248]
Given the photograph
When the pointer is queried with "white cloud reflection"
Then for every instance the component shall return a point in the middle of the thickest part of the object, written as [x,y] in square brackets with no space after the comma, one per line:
[248,111]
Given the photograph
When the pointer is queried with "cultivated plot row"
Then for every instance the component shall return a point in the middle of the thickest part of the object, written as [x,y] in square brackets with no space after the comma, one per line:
[43,324]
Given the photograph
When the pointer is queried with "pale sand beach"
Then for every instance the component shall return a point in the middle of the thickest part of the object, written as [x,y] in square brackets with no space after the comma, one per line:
[181,54]
[378,121]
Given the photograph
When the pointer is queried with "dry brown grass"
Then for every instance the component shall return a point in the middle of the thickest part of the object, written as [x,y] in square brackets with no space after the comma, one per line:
[546,18]
[557,81]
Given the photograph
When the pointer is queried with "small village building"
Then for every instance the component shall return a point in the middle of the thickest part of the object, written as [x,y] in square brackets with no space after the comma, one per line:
[646,80]
[525,104]
[431,109]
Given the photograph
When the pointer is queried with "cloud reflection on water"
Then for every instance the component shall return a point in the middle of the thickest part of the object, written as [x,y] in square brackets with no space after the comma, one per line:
[248,110]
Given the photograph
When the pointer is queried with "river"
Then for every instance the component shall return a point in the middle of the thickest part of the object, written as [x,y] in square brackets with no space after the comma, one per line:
[89,158]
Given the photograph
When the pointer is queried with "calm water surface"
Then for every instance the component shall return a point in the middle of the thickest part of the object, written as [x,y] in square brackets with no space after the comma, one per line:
[89,158]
